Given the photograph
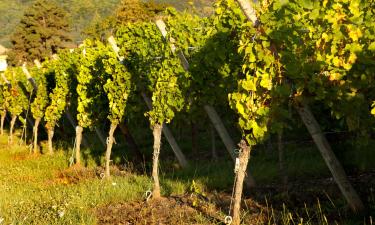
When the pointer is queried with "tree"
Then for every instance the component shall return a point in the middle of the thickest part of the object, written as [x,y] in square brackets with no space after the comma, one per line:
[42,30]
[128,11]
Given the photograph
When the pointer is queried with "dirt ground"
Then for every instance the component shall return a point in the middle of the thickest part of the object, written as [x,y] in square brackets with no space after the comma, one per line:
[264,205]
[188,209]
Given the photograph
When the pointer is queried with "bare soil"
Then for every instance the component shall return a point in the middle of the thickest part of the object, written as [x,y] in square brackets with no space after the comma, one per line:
[187,209]
[261,205]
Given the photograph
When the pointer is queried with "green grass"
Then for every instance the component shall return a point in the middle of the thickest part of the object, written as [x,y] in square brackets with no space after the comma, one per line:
[32,192]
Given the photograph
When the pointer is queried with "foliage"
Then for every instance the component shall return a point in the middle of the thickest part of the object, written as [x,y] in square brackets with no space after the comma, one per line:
[168,93]
[92,101]
[328,61]
[151,59]
[17,95]
[3,100]
[118,85]
[41,100]
[210,47]
[65,69]
[335,58]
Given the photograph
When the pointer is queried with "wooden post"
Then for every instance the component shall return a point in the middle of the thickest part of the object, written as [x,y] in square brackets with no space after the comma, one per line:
[228,142]
[100,136]
[213,142]
[131,142]
[249,11]
[210,110]
[29,77]
[222,131]
[329,157]
[320,140]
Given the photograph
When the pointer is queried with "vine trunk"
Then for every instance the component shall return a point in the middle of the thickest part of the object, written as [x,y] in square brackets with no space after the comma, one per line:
[109,149]
[79,131]
[3,115]
[50,137]
[157,130]
[243,157]
[35,129]
[12,123]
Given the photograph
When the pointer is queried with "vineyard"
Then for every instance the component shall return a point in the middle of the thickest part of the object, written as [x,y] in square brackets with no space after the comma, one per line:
[256,77]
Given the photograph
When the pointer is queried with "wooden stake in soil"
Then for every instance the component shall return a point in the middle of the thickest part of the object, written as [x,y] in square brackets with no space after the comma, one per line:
[35,129]
[3,115]
[100,136]
[157,130]
[79,131]
[213,142]
[244,157]
[12,123]
[110,142]
[329,157]
[50,132]
[131,142]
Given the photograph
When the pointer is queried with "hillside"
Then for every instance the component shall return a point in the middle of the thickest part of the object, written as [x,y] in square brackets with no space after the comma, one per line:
[82,13]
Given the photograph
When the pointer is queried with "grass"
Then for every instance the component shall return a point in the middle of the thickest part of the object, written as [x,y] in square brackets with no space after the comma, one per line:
[33,190]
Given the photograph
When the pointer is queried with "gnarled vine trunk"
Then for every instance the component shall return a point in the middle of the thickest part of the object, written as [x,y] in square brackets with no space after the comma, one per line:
[109,149]
[170,138]
[157,130]
[3,115]
[243,157]
[12,123]
[227,140]
[35,129]
[50,137]
[79,131]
